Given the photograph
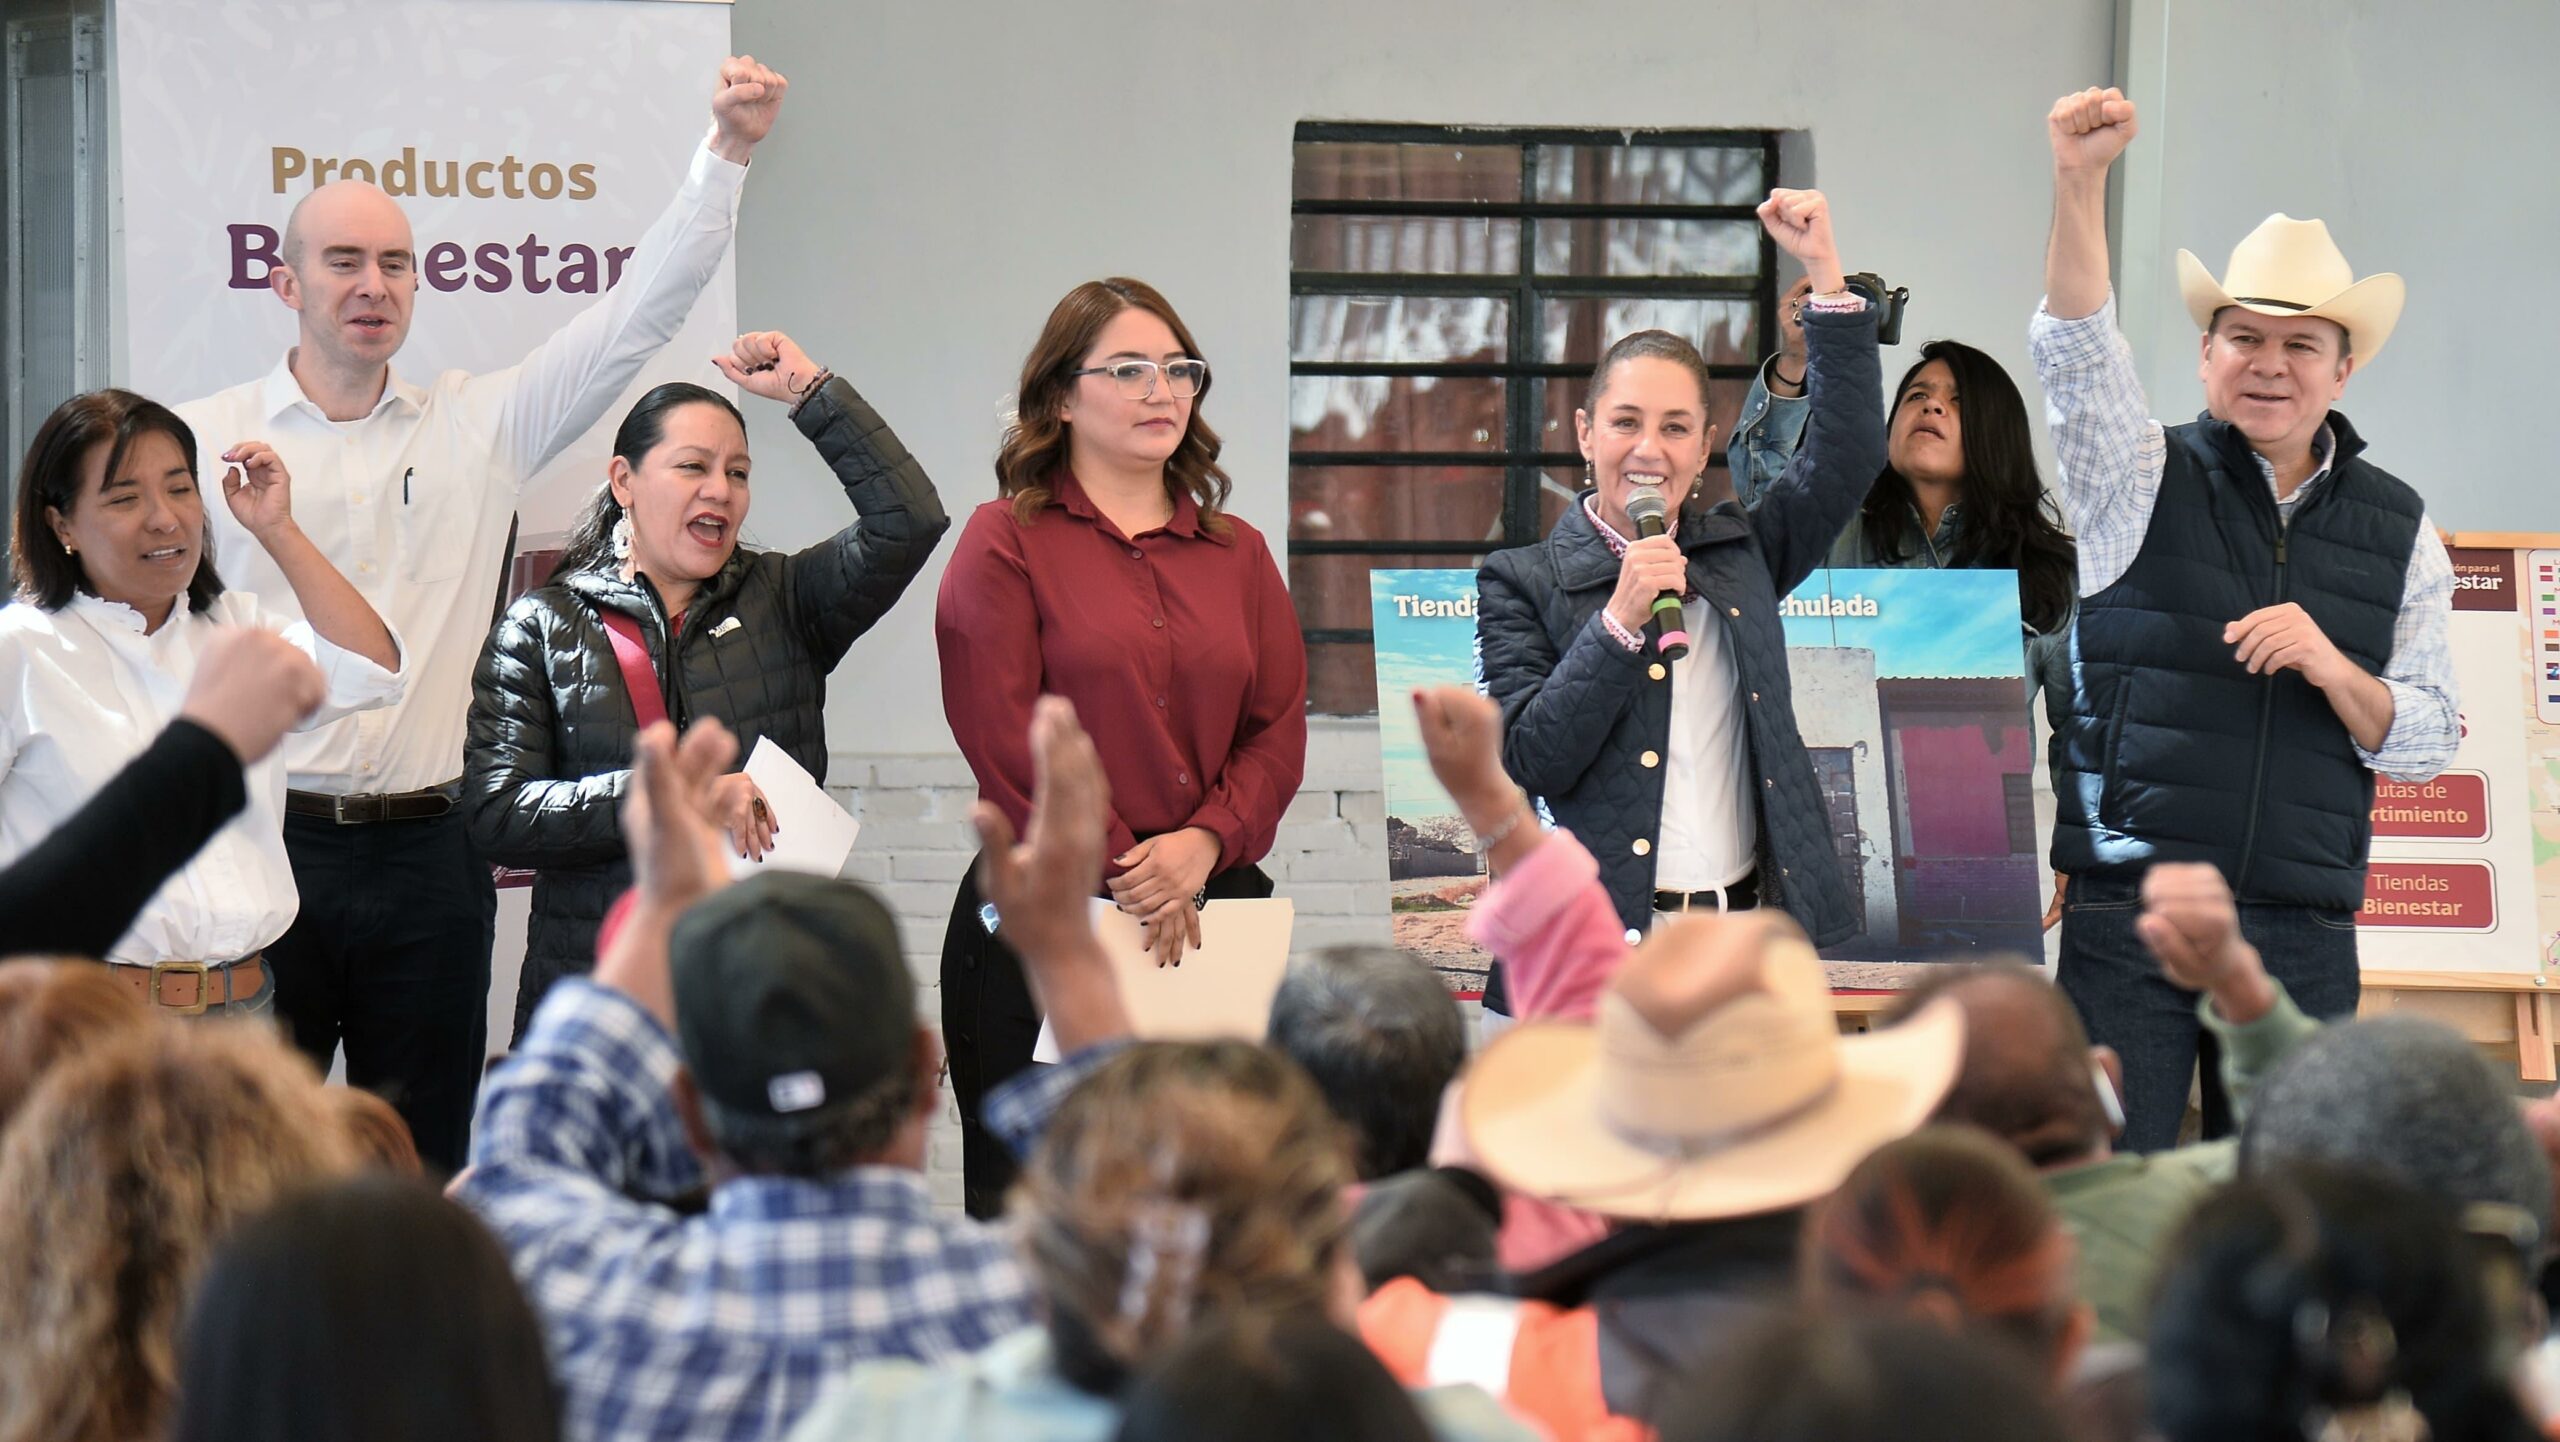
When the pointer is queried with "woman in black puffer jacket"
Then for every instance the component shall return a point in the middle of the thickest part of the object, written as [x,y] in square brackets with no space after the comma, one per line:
[754,634]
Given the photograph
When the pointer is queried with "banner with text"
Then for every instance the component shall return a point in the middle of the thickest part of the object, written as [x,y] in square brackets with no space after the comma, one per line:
[531,142]
[2466,868]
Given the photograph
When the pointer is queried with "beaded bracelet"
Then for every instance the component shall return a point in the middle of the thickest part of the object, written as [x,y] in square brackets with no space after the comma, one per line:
[1511,823]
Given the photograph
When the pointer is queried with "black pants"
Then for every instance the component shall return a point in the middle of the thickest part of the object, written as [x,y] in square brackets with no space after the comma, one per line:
[989,1026]
[390,956]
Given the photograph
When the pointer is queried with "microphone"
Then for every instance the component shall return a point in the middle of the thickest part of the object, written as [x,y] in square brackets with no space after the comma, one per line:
[1652,518]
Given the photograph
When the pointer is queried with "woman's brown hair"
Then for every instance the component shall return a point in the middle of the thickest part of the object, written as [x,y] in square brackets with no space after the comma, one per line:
[1034,446]
[118,1178]
[1182,1182]
[1949,1223]
[51,1010]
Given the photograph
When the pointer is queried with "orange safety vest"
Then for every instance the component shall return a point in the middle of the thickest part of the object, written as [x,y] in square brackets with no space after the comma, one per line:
[1542,1361]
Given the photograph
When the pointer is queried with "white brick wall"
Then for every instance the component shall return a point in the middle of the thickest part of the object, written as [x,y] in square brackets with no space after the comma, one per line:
[1330,860]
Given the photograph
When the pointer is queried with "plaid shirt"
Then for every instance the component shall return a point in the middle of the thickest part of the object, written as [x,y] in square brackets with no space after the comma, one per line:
[2111,454]
[726,1325]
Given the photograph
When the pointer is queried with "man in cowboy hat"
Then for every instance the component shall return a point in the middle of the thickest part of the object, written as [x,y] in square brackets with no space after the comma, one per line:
[2262,623]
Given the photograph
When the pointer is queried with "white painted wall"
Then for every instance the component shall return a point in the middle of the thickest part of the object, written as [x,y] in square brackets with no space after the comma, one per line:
[944,172]
[2420,133]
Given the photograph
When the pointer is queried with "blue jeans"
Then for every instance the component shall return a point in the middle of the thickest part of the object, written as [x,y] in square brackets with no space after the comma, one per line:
[2127,1004]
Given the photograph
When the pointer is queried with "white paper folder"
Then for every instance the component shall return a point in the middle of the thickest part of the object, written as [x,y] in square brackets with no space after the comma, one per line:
[1223,987]
[815,835]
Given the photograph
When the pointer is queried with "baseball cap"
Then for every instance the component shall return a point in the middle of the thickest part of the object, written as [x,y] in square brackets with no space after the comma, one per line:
[792,996]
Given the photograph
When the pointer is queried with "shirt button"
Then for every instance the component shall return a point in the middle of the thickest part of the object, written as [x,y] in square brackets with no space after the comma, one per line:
[1642,847]
[1159,700]
[365,566]
[1183,777]
[1136,555]
[1158,623]
[1656,671]
[1733,610]
[1651,758]
[1634,936]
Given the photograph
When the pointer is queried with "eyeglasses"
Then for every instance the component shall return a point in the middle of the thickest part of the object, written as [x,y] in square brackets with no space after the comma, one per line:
[1137,378]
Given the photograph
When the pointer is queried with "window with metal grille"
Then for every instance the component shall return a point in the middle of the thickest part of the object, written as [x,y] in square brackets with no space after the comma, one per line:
[1449,291]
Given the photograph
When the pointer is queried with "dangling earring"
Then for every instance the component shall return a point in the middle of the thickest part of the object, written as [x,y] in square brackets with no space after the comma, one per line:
[622,536]
[1588,480]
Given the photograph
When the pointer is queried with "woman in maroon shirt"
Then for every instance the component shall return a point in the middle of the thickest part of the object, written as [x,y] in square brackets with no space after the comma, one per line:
[1109,573]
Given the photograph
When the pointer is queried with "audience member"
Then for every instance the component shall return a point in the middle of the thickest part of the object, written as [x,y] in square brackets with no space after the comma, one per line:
[1695,1090]
[370,1309]
[77,891]
[1440,1226]
[1110,571]
[126,1168]
[52,1009]
[2314,1301]
[1950,1226]
[1181,1184]
[1255,1378]
[1877,1379]
[2032,1079]
[767,1038]
[380,1138]
[1381,1036]
[2409,1098]
[657,609]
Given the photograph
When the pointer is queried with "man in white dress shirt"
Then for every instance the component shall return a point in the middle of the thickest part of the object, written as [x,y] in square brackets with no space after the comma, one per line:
[409,485]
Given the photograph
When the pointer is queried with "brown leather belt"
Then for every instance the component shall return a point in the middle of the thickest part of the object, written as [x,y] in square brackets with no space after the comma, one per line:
[366,807]
[187,987]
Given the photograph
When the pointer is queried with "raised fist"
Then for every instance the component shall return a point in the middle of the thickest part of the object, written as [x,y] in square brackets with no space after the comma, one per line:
[744,105]
[770,364]
[2090,128]
[250,688]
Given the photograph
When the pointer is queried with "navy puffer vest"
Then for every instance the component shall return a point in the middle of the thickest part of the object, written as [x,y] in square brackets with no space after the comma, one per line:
[2172,751]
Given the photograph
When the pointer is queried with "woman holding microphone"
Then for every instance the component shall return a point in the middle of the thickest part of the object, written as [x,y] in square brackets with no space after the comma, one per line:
[1108,572]
[1685,776]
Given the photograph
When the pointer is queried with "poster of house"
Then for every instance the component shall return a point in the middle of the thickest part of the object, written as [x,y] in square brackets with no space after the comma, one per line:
[1425,623]
[1910,693]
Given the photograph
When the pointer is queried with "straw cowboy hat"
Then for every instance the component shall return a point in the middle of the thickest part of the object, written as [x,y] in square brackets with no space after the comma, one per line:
[2292,267]
[1712,1082]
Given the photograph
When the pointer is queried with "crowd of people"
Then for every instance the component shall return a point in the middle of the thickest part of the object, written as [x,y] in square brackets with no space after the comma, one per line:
[248,817]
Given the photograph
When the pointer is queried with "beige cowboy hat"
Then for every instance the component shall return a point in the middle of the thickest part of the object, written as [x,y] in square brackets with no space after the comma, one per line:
[1712,1082]
[2292,267]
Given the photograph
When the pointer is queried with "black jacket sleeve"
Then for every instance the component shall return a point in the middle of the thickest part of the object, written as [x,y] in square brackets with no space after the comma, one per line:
[519,813]
[79,890]
[843,584]
[1804,510]
[1557,710]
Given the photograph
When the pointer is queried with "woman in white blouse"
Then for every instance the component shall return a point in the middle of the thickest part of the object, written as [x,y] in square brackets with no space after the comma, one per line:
[117,598]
